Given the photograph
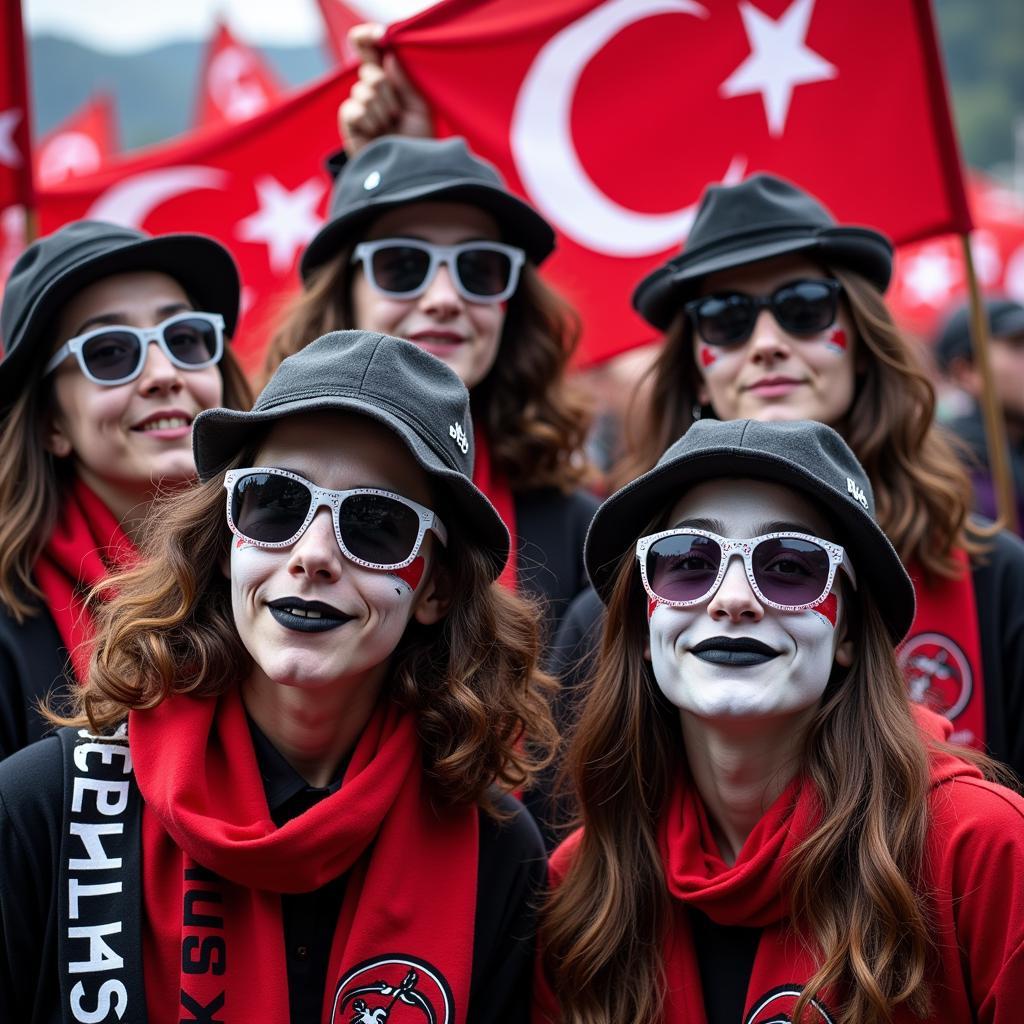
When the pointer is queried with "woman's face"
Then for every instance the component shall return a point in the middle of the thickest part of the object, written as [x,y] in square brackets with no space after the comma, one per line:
[790,673]
[463,334]
[127,440]
[775,375]
[368,609]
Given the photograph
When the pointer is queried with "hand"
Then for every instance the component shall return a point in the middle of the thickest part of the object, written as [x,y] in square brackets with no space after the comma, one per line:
[383,101]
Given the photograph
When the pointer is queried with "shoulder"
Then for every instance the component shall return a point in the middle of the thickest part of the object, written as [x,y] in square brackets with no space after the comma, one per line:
[511,843]
[31,793]
[1005,553]
[975,818]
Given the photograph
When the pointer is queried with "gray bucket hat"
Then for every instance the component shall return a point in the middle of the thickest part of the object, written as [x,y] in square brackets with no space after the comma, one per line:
[761,217]
[56,267]
[803,454]
[389,380]
[394,171]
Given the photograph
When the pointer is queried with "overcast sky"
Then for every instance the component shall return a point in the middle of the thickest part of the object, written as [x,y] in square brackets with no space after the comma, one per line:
[126,25]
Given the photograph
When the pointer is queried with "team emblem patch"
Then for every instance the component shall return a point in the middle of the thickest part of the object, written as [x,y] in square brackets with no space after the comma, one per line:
[776,1006]
[938,673]
[398,989]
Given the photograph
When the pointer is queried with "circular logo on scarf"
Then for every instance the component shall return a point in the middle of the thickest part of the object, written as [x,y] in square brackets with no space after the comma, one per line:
[396,988]
[938,673]
[775,1007]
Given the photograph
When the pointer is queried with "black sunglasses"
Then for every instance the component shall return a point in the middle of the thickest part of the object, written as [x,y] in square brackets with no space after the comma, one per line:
[802,308]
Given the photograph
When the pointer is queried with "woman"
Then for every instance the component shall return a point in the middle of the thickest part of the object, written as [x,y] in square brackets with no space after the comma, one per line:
[425,242]
[324,696]
[113,342]
[774,311]
[769,833]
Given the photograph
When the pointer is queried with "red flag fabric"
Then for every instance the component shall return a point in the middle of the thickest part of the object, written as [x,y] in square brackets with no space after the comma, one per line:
[235,84]
[15,140]
[338,18]
[612,117]
[930,277]
[259,187]
[81,145]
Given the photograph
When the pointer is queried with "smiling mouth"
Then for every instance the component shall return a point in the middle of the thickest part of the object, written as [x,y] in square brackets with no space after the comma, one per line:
[737,652]
[306,616]
[169,423]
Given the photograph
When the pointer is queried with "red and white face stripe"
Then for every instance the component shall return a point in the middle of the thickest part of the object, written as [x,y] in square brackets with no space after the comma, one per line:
[411,575]
[836,341]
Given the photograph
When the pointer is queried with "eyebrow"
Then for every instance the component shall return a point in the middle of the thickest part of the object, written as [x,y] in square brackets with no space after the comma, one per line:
[428,241]
[770,526]
[117,319]
[711,525]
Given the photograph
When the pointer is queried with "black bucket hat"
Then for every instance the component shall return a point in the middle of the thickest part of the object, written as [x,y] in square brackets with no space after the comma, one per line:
[56,267]
[805,455]
[1005,320]
[394,170]
[761,217]
[389,380]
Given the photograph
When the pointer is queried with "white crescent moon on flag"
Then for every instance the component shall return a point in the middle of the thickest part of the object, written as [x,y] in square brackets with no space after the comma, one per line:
[546,158]
[130,202]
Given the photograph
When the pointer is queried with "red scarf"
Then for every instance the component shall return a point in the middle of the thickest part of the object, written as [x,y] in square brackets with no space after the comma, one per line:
[498,492]
[85,545]
[941,656]
[214,866]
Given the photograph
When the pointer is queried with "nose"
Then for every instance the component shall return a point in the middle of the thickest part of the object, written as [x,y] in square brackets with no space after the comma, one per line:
[734,600]
[768,341]
[441,299]
[316,554]
[159,375]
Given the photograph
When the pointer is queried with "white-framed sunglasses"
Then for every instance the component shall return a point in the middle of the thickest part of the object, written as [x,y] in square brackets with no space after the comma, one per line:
[787,571]
[403,268]
[272,508]
[116,354]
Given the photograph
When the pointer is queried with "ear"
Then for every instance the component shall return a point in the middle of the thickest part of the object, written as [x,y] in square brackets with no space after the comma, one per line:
[844,648]
[55,440]
[435,595]
[225,560]
[702,393]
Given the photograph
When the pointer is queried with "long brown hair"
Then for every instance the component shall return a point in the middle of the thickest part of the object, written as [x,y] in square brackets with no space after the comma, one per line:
[472,679]
[922,491]
[32,482]
[535,420]
[854,883]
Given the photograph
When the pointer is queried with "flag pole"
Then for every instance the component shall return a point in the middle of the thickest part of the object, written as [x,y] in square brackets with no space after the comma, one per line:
[992,412]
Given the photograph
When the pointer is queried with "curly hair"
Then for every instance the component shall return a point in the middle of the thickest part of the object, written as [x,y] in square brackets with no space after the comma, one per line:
[32,482]
[166,627]
[535,420]
[854,884]
[922,491]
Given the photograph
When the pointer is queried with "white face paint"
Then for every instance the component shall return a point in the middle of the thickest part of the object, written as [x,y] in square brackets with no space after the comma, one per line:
[805,644]
[367,610]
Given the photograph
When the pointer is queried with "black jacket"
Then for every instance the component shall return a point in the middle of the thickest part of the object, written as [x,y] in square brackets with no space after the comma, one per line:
[32,664]
[999,593]
[512,870]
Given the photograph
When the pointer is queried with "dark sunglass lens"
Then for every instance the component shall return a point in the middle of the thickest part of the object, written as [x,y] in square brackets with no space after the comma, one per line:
[112,355]
[377,528]
[267,508]
[484,272]
[683,567]
[400,268]
[192,341]
[791,571]
[725,319]
[805,307]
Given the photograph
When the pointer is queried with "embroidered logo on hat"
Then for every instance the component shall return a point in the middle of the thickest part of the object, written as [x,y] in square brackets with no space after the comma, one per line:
[456,432]
[371,181]
[858,494]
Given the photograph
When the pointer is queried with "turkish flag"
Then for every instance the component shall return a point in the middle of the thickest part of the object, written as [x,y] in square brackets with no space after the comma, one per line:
[15,140]
[338,18]
[930,276]
[612,117]
[259,187]
[81,145]
[235,84]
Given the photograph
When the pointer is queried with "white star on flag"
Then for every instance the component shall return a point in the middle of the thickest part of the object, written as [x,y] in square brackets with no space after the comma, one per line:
[779,61]
[285,221]
[9,154]
[930,276]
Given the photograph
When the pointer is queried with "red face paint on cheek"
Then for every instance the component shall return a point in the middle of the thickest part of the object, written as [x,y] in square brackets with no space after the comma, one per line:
[412,573]
[836,340]
[828,609]
[241,542]
[651,605]
[708,357]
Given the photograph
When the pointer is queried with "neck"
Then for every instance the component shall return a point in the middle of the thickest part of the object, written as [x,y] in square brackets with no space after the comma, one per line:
[312,729]
[740,767]
[128,504]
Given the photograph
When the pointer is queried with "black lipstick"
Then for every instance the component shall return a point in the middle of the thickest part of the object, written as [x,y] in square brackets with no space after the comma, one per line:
[306,616]
[736,651]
